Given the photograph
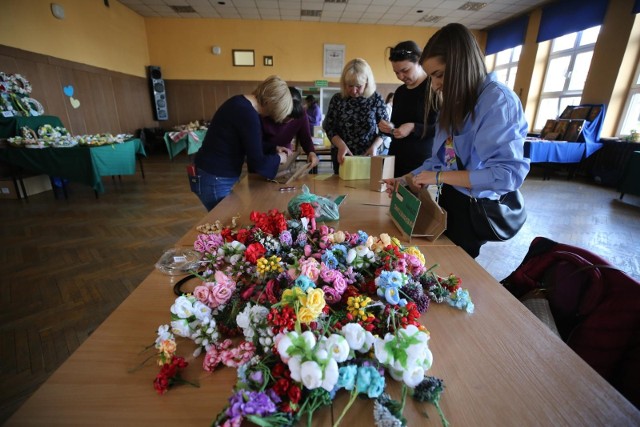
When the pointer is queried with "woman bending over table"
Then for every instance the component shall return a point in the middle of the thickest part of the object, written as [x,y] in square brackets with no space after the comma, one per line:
[235,134]
[352,119]
[296,125]
[479,138]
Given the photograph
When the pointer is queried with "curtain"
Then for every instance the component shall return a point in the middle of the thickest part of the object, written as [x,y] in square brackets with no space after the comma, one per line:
[570,16]
[507,35]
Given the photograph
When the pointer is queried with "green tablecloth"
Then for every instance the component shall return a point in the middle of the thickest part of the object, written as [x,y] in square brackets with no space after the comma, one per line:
[192,141]
[10,126]
[85,165]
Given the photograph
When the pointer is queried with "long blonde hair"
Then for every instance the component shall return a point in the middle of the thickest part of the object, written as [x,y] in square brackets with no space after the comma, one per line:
[274,98]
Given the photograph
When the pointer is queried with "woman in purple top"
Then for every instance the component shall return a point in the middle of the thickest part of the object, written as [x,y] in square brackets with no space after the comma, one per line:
[235,134]
[313,112]
[296,126]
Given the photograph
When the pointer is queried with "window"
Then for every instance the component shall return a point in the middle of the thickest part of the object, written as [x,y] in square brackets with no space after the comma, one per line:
[567,71]
[506,66]
[631,115]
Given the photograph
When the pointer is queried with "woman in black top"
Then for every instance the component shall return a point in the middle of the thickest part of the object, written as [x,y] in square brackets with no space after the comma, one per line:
[411,141]
[353,114]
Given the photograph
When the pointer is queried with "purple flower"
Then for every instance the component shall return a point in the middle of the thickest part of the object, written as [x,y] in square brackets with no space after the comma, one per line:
[285,238]
[245,403]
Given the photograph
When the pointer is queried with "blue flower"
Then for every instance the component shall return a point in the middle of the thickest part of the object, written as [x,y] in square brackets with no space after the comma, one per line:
[304,282]
[462,300]
[362,237]
[347,377]
[376,386]
[366,374]
[340,250]
[392,295]
[330,260]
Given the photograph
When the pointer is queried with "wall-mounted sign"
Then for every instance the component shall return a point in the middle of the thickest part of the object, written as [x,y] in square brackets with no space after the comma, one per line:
[333,60]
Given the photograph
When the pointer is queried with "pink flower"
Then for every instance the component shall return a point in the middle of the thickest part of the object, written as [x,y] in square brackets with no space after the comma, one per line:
[327,274]
[340,284]
[202,293]
[309,267]
[331,296]
[220,293]
[211,359]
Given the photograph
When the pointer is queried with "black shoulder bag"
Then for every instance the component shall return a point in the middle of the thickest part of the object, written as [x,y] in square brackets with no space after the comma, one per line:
[496,220]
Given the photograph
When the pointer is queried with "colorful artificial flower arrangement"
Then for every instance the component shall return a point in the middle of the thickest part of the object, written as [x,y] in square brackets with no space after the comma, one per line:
[303,312]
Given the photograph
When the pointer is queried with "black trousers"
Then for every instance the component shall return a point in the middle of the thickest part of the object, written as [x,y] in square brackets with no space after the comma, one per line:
[459,228]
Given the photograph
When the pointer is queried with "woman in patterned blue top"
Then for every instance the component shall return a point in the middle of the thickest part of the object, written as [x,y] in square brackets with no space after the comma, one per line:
[352,119]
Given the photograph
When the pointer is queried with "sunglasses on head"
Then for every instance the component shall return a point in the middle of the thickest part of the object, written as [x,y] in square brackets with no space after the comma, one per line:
[400,54]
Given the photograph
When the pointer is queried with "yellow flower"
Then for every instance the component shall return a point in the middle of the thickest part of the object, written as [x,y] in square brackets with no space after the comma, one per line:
[396,242]
[314,300]
[306,316]
[413,250]
[271,264]
[357,306]
[338,237]
[290,296]
[386,240]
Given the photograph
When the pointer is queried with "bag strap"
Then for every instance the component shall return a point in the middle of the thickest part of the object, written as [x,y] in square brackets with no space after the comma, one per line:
[459,163]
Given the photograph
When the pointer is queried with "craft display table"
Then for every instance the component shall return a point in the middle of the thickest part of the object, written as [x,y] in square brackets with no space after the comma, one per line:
[189,140]
[501,365]
[10,126]
[86,165]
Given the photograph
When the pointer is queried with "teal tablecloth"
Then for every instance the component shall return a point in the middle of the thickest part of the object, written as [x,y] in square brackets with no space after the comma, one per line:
[86,165]
[10,126]
[192,141]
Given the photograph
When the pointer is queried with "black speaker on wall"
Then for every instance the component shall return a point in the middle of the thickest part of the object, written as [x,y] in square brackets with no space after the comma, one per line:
[158,93]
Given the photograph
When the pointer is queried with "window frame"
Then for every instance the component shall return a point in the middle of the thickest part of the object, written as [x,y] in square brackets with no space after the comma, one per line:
[634,90]
[510,66]
[565,93]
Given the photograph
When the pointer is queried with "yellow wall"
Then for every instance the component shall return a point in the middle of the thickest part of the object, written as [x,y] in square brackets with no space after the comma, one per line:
[182,47]
[113,38]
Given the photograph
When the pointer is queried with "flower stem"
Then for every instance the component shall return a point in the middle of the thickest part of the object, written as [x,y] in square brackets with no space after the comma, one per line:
[404,397]
[445,423]
[354,395]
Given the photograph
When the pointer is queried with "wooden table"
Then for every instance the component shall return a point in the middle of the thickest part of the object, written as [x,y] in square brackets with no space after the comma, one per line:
[501,366]
[363,209]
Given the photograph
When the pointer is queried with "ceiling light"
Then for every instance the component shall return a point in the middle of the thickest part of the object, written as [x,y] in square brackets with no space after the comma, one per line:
[183,9]
[472,6]
[308,12]
[432,19]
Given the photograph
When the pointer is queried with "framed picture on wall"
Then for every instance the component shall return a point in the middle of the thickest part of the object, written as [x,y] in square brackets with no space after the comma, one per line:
[561,128]
[333,60]
[244,58]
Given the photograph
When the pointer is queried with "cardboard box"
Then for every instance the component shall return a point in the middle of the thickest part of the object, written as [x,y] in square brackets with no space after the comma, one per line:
[33,185]
[355,167]
[382,167]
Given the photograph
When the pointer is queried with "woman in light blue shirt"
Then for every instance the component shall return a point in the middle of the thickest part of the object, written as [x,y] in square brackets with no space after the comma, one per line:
[480,131]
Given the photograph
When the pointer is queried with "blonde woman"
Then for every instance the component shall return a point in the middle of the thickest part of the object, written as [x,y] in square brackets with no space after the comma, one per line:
[235,134]
[352,119]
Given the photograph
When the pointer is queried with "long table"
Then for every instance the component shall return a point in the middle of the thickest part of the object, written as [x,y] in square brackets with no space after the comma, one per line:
[501,365]
[177,142]
[559,151]
[86,165]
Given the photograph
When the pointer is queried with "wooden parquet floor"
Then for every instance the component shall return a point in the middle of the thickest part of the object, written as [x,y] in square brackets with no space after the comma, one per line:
[65,265]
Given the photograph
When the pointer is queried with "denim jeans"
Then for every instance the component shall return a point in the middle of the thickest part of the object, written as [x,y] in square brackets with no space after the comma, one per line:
[214,188]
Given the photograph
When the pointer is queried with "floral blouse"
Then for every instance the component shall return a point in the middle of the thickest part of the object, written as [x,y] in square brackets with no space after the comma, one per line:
[355,120]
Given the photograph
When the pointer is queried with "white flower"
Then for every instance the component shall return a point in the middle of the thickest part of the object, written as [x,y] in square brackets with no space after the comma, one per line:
[309,339]
[163,334]
[355,335]
[413,375]
[242,319]
[294,367]
[181,328]
[201,311]
[182,307]
[331,374]
[368,342]
[284,343]
[311,374]
[351,255]
[381,353]
[338,348]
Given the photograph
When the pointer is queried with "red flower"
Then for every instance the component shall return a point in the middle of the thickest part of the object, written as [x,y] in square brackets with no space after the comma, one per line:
[243,235]
[307,211]
[169,374]
[294,393]
[281,386]
[227,234]
[254,252]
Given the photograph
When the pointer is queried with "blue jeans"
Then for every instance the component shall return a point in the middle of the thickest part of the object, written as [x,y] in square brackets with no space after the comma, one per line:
[213,188]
